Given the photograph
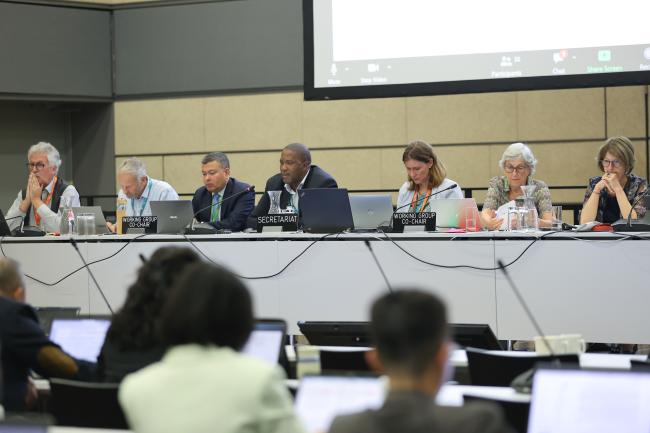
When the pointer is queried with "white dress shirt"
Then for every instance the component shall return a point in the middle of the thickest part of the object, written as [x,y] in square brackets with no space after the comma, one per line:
[50,221]
[405,196]
[293,195]
[208,389]
[155,190]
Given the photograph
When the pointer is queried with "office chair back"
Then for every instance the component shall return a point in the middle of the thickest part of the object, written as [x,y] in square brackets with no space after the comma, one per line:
[86,404]
[490,368]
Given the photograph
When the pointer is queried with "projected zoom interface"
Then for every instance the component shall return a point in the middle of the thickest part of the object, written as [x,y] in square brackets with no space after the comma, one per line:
[376,42]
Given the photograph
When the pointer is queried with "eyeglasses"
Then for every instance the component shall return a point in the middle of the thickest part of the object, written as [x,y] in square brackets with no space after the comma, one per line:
[606,163]
[519,169]
[38,166]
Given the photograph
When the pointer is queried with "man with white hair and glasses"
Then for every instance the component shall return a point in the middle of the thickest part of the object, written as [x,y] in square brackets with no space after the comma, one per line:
[38,204]
[139,190]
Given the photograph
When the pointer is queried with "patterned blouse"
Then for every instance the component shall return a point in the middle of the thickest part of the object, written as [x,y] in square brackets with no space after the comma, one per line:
[634,188]
[499,188]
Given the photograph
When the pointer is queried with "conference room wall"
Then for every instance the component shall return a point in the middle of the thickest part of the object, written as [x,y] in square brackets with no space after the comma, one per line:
[360,141]
[21,125]
[53,51]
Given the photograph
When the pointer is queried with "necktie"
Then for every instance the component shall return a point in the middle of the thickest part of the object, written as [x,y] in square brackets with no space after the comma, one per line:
[216,208]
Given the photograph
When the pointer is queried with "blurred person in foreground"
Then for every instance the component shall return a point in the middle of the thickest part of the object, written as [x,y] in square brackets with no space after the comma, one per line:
[409,329]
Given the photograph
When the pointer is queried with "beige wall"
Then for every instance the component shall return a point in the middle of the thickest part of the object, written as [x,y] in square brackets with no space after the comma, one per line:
[360,141]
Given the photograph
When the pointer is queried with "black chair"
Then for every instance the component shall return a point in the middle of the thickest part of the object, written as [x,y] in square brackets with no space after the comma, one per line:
[494,369]
[343,361]
[85,404]
[516,413]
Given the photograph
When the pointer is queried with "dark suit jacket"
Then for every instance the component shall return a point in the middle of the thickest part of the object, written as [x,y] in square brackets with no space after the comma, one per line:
[317,178]
[22,340]
[414,412]
[233,211]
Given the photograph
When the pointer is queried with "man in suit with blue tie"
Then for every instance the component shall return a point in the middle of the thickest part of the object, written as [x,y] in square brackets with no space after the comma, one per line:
[232,201]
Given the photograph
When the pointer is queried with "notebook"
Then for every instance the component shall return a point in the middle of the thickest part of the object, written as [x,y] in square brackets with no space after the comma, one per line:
[100,221]
[80,337]
[173,215]
[453,212]
[325,210]
[266,341]
[570,400]
[320,399]
[371,211]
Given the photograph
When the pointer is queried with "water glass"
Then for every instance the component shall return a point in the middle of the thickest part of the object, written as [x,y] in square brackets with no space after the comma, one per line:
[86,224]
[470,220]
[556,212]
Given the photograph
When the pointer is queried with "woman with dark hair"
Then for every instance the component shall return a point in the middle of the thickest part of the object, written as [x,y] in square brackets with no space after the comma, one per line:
[132,341]
[203,384]
[426,175]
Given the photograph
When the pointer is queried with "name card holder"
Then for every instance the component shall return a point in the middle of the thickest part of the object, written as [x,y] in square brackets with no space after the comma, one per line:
[411,221]
[140,224]
[277,223]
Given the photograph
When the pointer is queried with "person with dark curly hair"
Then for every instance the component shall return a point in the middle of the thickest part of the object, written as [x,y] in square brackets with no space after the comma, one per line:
[204,384]
[132,341]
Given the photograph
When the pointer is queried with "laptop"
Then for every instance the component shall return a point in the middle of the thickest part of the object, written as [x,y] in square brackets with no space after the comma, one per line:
[17,426]
[266,342]
[452,213]
[173,215]
[81,337]
[100,222]
[325,210]
[320,399]
[371,211]
[570,400]
[46,315]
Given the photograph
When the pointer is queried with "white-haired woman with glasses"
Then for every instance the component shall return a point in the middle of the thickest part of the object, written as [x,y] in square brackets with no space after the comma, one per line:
[610,197]
[518,165]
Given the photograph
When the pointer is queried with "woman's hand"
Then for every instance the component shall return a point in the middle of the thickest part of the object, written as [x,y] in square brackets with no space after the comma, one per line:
[490,220]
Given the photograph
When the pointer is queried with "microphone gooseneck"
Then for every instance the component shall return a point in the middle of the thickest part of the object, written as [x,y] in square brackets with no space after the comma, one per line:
[381,269]
[428,196]
[101,292]
[525,306]
[638,199]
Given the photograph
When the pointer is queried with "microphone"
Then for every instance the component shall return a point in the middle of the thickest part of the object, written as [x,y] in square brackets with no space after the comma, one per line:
[525,306]
[455,185]
[381,269]
[101,292]
[237,194]
[638,199]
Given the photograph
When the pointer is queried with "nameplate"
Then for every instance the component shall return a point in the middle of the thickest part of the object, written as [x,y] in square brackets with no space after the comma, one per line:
[427,220]
[141,224]
[279,222]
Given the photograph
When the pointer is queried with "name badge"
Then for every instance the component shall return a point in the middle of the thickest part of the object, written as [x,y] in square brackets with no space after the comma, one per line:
[140,224]
[411,219]
[277,223]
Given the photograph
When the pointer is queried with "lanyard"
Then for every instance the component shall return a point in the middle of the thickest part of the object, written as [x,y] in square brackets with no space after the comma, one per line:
[146,199]
[415,200]
[47,201]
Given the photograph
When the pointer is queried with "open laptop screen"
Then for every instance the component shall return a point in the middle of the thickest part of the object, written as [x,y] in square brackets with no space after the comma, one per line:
[320,399]
[590,401]
[81,338]
[266,341]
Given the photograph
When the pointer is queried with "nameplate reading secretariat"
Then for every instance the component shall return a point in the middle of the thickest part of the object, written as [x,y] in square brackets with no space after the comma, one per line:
[426,219]
[282,222]
[147,223]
